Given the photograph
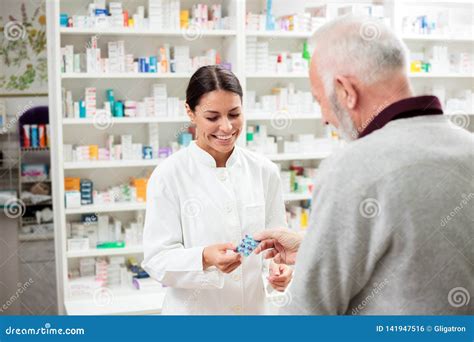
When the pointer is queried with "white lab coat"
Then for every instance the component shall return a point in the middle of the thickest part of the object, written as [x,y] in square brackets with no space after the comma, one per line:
[192,204]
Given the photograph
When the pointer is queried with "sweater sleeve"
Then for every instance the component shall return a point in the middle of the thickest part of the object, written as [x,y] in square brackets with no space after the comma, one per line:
[345,240]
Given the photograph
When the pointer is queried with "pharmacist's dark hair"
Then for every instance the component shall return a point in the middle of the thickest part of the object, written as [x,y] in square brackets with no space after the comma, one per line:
[209,78]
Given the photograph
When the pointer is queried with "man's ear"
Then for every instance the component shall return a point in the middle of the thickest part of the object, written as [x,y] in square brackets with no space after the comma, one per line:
[346,91]
[190,113]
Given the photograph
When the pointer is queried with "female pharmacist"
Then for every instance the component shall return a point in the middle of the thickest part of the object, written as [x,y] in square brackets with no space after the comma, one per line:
[202,201]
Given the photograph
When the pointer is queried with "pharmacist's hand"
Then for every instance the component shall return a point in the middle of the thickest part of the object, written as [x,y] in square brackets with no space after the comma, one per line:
[280,276]
[282,245]
[221,256]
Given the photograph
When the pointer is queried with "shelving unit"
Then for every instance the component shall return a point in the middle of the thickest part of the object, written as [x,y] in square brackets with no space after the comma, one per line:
[144,32]
[102,164]
[106,173]
[232,45]
[109,208]
[119,121]
[105,252]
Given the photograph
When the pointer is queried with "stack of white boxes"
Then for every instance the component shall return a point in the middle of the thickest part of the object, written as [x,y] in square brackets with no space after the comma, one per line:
[67,53]
[149,103]
[134,234]
[116,14]
[174,14]
[155,14]
[116,52]
[90,101]
[164,14]
[173,107]
[154,138]
[257,58]
[251,57]
[160,99]
[81,153]
[103,228]
[86,267]
[114,276]
[182,59]
[127,149]
[93,56]
[302,22]
[262,56]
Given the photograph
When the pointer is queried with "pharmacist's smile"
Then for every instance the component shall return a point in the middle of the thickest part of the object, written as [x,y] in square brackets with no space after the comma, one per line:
[224,138]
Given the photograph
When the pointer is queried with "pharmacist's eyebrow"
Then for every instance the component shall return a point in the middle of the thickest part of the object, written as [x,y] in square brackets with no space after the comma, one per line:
[216,112]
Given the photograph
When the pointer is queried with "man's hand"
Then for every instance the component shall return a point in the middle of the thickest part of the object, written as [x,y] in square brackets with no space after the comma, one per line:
[280,276]
[222,256]
[282,245]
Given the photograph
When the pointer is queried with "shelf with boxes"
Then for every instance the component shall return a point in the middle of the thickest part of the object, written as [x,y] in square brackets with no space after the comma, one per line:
[262,61]
[276,55]
[95,279]
[157,106]
[107,208]
[436,38]
[146,32]
[298,147]
[81,192]
[125,120]
[171,60]
[263,22]
[117,122]
[284,103]
[436,35]
[441,75]
[162,15]
[101,252]
[436,20]
[109,164]
[262,115]
[101,234]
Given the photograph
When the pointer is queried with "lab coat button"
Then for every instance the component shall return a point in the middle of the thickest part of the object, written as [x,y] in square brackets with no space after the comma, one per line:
[236,277]
[222,176]
[228,209]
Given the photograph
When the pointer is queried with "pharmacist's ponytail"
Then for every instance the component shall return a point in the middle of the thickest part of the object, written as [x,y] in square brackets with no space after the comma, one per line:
[209,78]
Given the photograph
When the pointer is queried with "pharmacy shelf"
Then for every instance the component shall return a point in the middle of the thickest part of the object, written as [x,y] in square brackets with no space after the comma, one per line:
[100,164]
[105,251]
[106,208]
[128,120]
[119,301]
[437,2]
[443,75]
[34,149]
[305,75]
[296,197]
[460,112]
[35,237]
[124,75]
[190,34]
[278,34]
[298,156]
[278,75]
[436,38]
[254,116]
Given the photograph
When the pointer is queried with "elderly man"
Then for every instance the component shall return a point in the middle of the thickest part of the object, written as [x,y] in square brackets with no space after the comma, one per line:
[383,238]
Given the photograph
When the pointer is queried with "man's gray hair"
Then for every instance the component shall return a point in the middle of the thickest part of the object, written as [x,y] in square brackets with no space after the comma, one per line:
[363,47]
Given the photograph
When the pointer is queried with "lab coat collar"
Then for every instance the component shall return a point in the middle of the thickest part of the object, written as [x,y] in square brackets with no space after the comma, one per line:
[205,158]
